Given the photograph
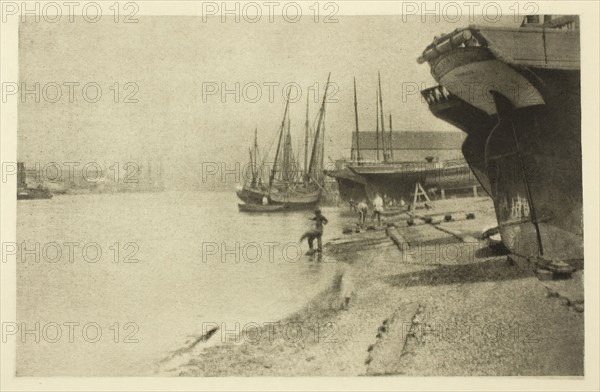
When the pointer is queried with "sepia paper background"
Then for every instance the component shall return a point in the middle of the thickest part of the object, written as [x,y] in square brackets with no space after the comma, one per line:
[588,12]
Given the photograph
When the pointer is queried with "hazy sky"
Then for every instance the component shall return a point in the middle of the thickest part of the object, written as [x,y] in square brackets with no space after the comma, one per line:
[170,58]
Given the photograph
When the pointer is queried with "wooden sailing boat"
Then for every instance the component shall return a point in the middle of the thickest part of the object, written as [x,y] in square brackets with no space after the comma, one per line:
[254,189]
[285,186]
[288,185]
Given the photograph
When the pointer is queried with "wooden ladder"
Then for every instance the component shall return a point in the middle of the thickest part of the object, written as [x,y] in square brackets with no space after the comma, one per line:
[419,193]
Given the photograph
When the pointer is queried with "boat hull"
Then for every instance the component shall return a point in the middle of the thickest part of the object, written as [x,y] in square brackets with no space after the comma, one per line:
[548,167]
[259,208]
[292,199]
[33,194]
[250,195]
[398,181]
[295,198]
[351,187]
[525,152]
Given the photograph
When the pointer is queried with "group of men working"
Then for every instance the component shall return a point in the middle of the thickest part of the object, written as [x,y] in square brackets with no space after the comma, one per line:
[362,210]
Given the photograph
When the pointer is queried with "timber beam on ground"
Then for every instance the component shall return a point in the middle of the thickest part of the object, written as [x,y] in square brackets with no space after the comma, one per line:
[456,233]
[397,239]
[358,242]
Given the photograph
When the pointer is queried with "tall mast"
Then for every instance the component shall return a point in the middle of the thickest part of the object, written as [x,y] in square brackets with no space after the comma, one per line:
[255,170]
[377,120]
[306,125]
[252,166]
[322,163]
[290,161]
[381,116]
[286,155]
[391,146]
[318,131]
[281,130]
[255,142]
[356,124]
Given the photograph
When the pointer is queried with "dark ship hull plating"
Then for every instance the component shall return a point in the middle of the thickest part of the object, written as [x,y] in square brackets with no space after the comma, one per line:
[523,146]
[351,187]
[398,180]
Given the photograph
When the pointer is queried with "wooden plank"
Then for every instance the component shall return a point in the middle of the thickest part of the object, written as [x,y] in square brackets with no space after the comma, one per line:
[385,355]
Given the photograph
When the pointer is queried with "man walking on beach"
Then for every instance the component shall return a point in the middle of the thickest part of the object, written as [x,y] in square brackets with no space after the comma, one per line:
[362,209]
[377,208]
[317,233]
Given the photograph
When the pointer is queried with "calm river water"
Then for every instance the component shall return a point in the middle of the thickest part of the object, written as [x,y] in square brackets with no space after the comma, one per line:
[118,281]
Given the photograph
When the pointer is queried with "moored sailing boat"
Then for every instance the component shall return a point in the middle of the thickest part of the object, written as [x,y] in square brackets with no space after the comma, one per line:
[306,191]
[287,184]
[254,190]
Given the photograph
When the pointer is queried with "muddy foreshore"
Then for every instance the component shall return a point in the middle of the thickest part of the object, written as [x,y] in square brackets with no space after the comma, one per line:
[439,304]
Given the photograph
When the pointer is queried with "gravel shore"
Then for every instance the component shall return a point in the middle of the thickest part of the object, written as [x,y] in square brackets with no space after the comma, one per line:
[441,307]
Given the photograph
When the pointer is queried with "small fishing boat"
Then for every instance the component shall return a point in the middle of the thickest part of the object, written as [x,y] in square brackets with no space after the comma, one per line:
[261,208]
[33,193]
[26,192]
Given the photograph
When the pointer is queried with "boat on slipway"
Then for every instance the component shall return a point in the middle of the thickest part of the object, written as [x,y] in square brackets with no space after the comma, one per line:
[362,179]
[398,179]
[523,125]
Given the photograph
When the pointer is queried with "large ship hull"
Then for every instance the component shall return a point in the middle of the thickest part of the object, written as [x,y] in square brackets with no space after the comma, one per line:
[398,180]
[351,186]
[524,136]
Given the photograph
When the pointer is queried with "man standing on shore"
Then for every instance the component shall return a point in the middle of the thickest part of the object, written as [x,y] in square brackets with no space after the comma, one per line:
[363,210]
[377,208]
[317,233]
